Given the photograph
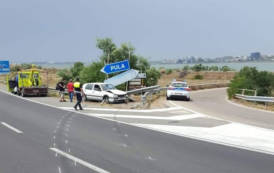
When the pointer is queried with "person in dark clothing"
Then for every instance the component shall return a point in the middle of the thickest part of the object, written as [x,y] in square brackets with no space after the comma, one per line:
[78,91]
[61,85]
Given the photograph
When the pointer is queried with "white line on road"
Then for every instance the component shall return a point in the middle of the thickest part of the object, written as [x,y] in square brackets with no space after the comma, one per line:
[127,110]
[11,128]
[176,117]
[59,169]
[80,161]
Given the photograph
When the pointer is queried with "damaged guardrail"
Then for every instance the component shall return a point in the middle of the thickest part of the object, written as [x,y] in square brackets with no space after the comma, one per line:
[143,90]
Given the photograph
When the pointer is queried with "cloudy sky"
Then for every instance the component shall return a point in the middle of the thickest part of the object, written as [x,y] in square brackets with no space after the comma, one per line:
[66,30]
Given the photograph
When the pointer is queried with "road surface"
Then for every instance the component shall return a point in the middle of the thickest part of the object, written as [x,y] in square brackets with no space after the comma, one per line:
[214,102]
[37,138]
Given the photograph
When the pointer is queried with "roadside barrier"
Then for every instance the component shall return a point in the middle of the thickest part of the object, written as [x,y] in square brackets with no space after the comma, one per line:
[256,98]
[143,90]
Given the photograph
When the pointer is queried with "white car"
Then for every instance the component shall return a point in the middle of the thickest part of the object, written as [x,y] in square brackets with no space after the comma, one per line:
[103,91]
[179,90]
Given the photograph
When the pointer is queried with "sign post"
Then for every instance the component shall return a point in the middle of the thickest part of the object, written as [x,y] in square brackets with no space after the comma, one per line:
[116,67]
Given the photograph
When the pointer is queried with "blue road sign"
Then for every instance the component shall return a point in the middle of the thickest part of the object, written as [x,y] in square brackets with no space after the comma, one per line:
[116,67]
[4,67]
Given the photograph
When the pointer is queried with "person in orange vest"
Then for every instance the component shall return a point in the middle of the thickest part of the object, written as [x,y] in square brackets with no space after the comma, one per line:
[78,92]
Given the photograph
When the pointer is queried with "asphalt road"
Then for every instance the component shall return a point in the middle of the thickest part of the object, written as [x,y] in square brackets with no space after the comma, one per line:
[87,144]
[214,102]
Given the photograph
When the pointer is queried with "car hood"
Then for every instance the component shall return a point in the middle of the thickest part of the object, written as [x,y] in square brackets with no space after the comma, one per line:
[118,92]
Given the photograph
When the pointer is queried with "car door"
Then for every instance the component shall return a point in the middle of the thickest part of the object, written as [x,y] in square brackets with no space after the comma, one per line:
[97,92]
[88,91]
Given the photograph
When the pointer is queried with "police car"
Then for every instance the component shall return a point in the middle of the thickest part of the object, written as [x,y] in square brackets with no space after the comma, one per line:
[178,90]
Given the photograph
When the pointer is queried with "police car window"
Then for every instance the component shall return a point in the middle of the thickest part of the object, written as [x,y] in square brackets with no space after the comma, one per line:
[179,85]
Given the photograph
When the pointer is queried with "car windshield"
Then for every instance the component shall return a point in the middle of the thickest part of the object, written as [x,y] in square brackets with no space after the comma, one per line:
[107,87]
[179,85]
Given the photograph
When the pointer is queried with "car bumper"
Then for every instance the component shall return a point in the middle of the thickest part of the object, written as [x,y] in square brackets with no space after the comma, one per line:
[116,100]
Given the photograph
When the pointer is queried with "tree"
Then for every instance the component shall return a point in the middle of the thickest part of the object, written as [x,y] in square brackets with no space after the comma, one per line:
[153,75]
[214,68]
[225,68]
[76,69]
[142,64]
[107,47]
[92,73]
[197,67]
[65,74]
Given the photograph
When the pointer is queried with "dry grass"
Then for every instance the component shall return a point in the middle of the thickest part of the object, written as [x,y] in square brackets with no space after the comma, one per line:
[208,77]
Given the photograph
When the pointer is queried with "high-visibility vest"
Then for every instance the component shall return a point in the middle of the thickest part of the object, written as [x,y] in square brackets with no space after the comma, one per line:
[76,84]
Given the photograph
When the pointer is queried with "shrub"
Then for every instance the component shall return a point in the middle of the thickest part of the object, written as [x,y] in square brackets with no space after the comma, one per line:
[198,77]
[168,71]
[251,78]
[153,76]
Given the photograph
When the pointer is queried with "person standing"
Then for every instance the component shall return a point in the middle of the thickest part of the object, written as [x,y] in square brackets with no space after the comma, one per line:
[70,90]
[78,91]
[61,87]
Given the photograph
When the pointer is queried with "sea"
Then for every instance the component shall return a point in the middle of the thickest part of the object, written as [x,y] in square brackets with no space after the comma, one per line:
[262,66]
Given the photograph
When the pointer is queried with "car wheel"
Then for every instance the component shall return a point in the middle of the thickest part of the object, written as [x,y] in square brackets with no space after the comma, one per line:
[106,99]
[188,99]
[168,98]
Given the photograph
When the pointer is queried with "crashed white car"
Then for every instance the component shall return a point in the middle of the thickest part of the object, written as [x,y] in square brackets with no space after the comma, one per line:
[178,90]
[103,92]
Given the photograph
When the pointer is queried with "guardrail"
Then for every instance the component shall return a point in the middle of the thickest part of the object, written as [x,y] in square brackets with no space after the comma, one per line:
[143,90]
[256,98]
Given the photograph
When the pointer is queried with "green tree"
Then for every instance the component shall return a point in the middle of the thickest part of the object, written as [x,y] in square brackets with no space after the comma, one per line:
[153,75]
[142,64]
[76,69]
[107,47]
[225,68]
[92,73]
[65,74]
[197,67]
[186,68]
[214,68]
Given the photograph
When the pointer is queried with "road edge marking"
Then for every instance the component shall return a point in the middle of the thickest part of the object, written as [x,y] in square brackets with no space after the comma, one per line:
[80,161]
[11,128]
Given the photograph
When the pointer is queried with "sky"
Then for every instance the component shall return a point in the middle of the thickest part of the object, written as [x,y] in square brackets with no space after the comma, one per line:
[66,30]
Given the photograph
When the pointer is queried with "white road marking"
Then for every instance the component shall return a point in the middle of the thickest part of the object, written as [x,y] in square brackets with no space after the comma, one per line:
[176,117]
[59,169]
[127,110]
[80,161]
[151,158]
[232,134]
[11,128]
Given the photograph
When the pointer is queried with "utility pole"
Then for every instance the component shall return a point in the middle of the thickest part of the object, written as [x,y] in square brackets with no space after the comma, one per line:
[129,64]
